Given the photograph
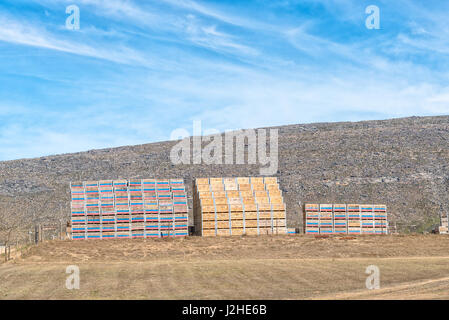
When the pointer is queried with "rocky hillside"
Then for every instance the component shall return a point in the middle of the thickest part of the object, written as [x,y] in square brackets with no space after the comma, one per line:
[401,162]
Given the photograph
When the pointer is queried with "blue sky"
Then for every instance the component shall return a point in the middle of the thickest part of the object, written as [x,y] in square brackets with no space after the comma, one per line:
[137,70]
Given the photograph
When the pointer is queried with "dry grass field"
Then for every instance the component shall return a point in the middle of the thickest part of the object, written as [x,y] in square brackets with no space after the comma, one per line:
[266,267]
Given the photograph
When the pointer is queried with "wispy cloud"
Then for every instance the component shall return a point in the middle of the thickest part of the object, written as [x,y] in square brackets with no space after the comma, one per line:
[22,33]
[139,69]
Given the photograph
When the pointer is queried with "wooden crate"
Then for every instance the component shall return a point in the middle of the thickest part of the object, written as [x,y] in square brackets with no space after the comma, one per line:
[265,231]
[260,193]
[258,187]
[354,230]
[237,224]
[223,232]
[246,194]
[326,223]
[311,230]
[219,194]
[93,235]
[326,230]
[250,214]
[279,223]
[202,181]
[354,223]
[340,230]
[243,180]
[203,187]
[270,180]
[265,223]
[264,214]
[250,207]
[256,180]
[208,233]
[208,209]
[278,214]
[215,180]
[251,231]
[244,187]
[250,223]
[237,231]
[312,207]
[312,223]
[231,187]
[217,187]
[236,207]
[236,215]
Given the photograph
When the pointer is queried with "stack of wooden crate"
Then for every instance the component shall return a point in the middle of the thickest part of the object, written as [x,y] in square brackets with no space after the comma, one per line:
[78,212]
[380,219]
[326,219]
[107,209]
[354,219]
[180,208]
[345,219]
[129,209]
[237,206]
[93,210]
[121,201]
[340,219]
[444,225]
[367,212]
[312,219]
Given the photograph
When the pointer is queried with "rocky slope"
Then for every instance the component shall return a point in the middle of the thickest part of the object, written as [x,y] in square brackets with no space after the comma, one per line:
[400,162]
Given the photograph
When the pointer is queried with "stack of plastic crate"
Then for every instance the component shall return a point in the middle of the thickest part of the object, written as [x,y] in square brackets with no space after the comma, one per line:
[340,219]
[326,219]
[354,219]
[312,218]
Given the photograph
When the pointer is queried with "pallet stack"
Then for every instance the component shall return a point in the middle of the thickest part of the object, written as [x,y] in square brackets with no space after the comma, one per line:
[444,225]
[345,219]
[380,219]
[237,206]
[129,209]
[312,219]
[107,209]
[326,219]
[367,213]
[354,219]
[340,218]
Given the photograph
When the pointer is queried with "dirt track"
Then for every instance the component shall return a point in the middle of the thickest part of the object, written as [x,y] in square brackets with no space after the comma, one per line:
[280,267]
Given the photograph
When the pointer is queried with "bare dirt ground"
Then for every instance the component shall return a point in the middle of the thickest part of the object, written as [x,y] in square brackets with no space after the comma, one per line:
[265,267]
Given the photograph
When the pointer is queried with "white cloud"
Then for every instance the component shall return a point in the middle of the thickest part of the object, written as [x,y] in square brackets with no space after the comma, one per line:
[19,32]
